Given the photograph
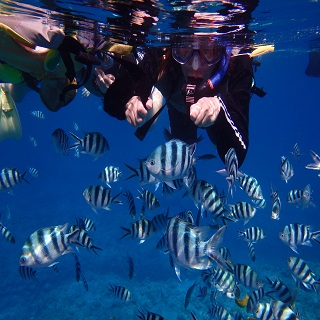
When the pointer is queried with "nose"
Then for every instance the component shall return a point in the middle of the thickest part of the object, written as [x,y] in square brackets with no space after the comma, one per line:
[195,61]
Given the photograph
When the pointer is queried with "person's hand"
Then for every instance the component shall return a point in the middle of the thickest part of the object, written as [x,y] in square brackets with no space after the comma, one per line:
[205,112]
[103,81]
[85,93]
[136,112]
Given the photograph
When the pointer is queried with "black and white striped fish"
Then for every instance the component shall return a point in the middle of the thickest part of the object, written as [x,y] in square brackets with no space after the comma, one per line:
[86,224]
[149,200]
[281,290]
[93,143]
[10,178]
[60,141]
[224,281]
[110,174]
[301,197]
[171,161]
[6,233]
[204,194]
[149,316]
[252,234]
[45,245]
[140,229]
[252,252]
[132,207]
[254,297]
[188,248]
[79,273]
[286,169]
[27,273]
[282,312]
[302,273]
[99,197]
[219,312]
[316,161]
[83,239]
[263,311]
[34,172]
[120,292]
[242,211]
[259,203]
[298,234]
[225,253]
[178,185]
[38,114]
[142,173]
[276,204]
[160,221]
[296,152]
[247,276]
[251,186]
[232,169]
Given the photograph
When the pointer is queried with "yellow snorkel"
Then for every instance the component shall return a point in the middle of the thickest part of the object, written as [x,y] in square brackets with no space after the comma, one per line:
[10,125]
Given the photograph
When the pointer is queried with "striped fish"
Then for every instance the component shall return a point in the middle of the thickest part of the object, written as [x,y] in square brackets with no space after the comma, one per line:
[79,273]
[219,312]
[316,161]
[38,114]
[204,194]
[149,316]
[252,252]
[27,273]
[276,205]
[132,206]
[6,233]
[160,221]
[45,245]
[189,294]
[187,248]
[242,210]
[251,186]
[171,161]
[82,239]
[224,281]
[142,173]
[232,168]
[282,291]
[247,276]
[149,200]
[282,312]
[120,292]
[10,178]
[140,229]
[298,234]
[302,273]
[99,197]
[296,152]
[301,197]
[34,172]
[110,174]
[259,203]
[60,141]
[252,234]
[286,169]
[178,185]
[263,311]
[254,298]
[86,224]
[225,253]
[93,143]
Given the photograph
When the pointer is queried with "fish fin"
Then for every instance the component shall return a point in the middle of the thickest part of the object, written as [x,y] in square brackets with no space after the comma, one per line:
[127,232]
[177,270]
[307,243]
[294,249]
[170,184]
[142,241]
[222,172]
[134,172]
[53,264]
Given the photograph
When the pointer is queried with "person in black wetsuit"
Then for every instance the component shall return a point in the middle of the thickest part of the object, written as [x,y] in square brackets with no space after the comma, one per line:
[204,87]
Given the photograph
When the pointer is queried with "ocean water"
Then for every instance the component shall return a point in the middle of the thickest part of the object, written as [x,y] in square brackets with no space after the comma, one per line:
[288,114]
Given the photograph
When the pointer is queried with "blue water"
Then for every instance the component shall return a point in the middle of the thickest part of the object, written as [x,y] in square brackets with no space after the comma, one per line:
[288,114]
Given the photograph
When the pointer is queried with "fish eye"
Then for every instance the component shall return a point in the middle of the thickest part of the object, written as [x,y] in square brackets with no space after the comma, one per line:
[152,162]
[22,260]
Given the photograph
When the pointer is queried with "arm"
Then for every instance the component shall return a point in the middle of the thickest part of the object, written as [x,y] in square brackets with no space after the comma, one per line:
[231,126]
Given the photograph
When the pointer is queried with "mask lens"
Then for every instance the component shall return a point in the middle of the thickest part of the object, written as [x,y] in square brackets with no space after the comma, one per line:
[182,55]
[212,55]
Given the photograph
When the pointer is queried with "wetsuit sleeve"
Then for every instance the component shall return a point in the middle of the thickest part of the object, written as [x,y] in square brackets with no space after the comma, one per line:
[231,127]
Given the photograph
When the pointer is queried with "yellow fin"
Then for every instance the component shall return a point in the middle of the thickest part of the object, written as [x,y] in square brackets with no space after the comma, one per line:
[10,125]
[16,36]
[262,50]
[242,302]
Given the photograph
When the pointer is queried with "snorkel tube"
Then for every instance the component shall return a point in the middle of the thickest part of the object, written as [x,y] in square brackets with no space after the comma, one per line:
[223,67]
